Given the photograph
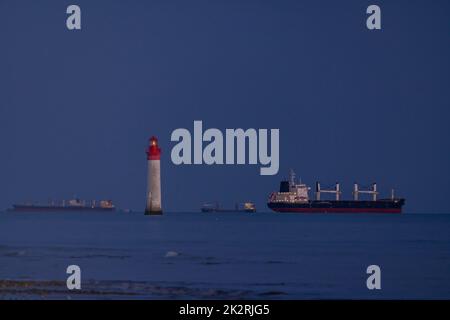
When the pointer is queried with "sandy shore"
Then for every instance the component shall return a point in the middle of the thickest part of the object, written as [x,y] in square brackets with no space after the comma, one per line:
[52,289]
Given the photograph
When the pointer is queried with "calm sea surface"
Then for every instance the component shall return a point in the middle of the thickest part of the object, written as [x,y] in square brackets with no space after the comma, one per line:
[224,256]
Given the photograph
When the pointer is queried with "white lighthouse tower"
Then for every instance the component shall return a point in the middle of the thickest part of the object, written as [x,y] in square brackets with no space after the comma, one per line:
[153,206]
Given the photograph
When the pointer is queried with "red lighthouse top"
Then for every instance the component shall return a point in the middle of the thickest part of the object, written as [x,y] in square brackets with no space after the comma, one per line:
[154,151]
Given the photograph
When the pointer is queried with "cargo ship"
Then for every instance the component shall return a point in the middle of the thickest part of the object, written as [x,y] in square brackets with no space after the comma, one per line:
[73,205]
[215,207]
[294,197]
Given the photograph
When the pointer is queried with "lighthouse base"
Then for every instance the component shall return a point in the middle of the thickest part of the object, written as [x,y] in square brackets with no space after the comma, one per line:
[153,212]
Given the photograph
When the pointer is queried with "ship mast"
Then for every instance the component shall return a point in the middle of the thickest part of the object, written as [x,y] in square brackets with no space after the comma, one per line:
[291,178]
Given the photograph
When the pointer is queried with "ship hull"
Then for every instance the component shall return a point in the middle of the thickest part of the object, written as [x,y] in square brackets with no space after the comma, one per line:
[345,206]
[19,208]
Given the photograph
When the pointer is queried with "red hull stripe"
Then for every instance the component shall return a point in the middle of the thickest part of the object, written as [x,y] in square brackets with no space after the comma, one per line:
[338,210]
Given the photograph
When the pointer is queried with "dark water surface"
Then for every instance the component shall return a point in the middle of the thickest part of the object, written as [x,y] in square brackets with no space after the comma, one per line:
[229,255]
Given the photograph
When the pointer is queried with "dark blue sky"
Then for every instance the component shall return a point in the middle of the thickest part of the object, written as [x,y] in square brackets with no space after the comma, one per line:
[77,108]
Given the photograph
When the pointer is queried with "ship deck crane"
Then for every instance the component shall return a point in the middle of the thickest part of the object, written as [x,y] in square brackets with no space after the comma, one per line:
[336,190]
[373,191]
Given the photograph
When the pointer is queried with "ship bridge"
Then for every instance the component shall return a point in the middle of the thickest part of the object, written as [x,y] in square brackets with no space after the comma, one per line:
[291,191]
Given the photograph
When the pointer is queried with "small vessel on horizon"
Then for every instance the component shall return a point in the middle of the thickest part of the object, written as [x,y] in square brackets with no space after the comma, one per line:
[65,205]
[215,207]
[294,197]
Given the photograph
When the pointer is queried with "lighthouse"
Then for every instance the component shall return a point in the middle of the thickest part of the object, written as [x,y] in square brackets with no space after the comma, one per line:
[153,206]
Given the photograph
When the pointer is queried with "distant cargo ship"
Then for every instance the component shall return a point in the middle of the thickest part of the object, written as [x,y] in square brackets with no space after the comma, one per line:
[214,207]
[293,197]
[63,206]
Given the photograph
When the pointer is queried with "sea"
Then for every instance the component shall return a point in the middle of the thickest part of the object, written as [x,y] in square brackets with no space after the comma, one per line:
[194,255]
